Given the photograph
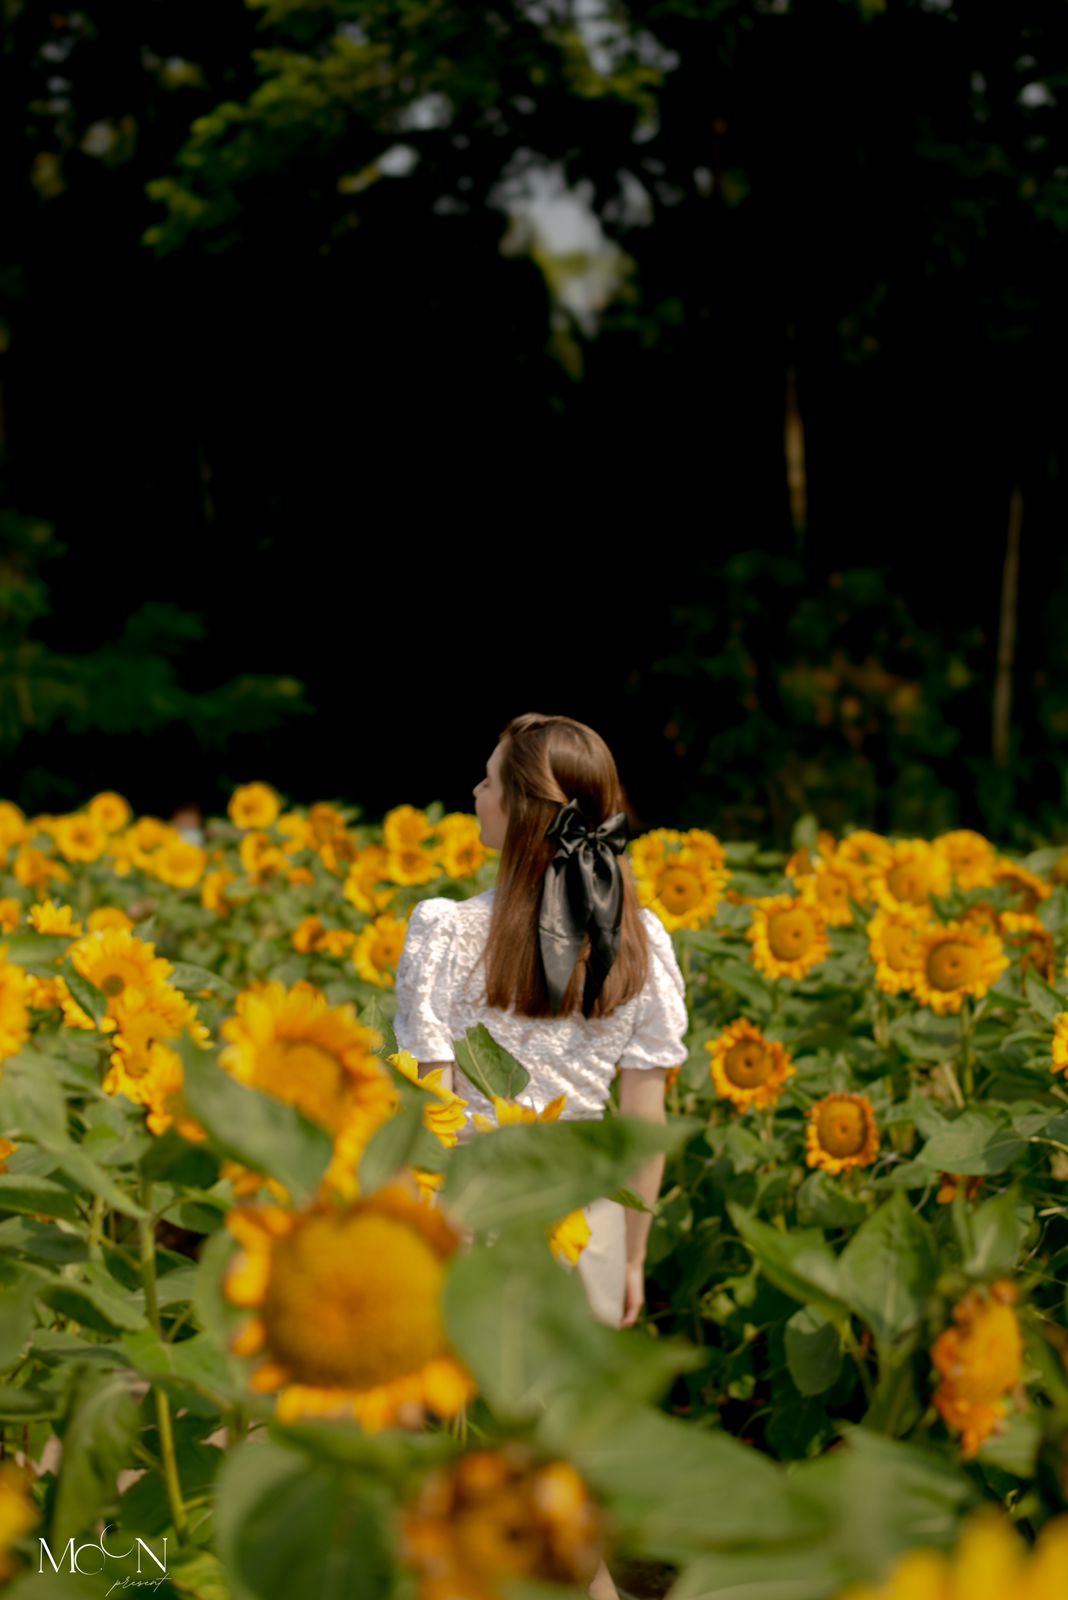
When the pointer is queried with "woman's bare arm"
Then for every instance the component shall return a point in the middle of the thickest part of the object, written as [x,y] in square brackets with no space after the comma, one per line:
[641,1094]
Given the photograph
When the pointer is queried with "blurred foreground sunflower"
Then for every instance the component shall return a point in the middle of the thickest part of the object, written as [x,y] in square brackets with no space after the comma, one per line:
[979,1359]
[348,1303]
[991,1562]
[496,1515]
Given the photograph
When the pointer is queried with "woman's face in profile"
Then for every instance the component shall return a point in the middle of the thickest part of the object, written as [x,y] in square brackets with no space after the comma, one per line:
[488,804]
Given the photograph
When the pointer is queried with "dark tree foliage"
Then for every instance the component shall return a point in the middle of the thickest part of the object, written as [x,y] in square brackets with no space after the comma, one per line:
[275,355]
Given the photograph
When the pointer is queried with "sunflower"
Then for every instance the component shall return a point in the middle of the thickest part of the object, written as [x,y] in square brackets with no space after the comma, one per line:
[841,1133]
[991,1562]
[297,832]
[261,857]
[911,874]
[412,866]
[867,851]
[982,917]
[48,916]
[115,960]
[140,842]
[683,887]
[1027,889]
[954,1181]
[444,1119]
[33,869]
[405,828]
[462,854]
[7,1149]
[253,805]
[1029,943]
[956,961]
[10,914]
[295,1046]
[180,864]
[1060,1043]
[302,875]
[18,1513]
[378,950]
[511,1111]
[13,828]
[747,1068]
[213,896]
[894,943]
[569,1238]
[833,886]
[110,810]
[143,1066]
[109,917]
[14,1010]
[369,870]
[339,852]
[348,1303]
[80,838]
[972,859]
[500,1514]
[979,1360]
[789,937]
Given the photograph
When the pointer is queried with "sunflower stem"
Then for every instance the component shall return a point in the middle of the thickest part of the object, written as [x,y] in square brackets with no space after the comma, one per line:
[882,1021]
[96,1229]
[967,1061]
[147,1233]
[850,1345]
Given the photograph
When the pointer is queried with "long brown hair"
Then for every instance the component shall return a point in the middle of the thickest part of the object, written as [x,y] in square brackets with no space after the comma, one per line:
[545,762]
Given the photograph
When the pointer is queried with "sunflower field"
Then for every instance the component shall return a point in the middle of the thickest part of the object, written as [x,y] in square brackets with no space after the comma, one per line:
[268,1328]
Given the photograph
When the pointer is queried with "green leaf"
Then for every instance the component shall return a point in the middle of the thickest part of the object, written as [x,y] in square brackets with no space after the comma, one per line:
[23,1405]
[37,952]
[798,1263]
[823,1203]
[91,999]
[103,1304]
[254,1128]
[542,1171]
[98,1444]
[978,1141]
[888,1269]
[21,1192]
[522,1322]
[77,1165]
[813,1351]
[17,1319]
[402,1141]
[289,1525]
[1043,997]
[190,979]
[197,1361]
[488,1065]
[1014,1448]
[373,1015]
[994,1234]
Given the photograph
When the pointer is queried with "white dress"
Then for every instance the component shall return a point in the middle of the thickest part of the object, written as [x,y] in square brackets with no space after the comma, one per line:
[441,993]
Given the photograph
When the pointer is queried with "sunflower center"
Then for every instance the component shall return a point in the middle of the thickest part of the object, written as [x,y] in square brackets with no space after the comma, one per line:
[790,934]
[841,1128]
[747,1064]
[901,947]
[908,882]
[952,964]
[114,983]
[354,1302]
[679,889]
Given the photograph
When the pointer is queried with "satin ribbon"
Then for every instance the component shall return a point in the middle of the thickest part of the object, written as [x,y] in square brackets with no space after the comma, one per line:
[582,892]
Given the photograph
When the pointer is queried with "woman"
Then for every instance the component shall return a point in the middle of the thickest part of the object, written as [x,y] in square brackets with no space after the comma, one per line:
[573,1000]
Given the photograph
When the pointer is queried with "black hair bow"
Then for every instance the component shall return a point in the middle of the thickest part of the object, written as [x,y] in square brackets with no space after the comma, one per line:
[583,891]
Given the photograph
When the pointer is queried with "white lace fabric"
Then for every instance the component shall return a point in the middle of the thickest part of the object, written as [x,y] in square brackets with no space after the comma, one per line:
[440,993]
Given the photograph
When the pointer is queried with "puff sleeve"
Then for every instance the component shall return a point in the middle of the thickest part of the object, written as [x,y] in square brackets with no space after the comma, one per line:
[662,1020]
[421,1022]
